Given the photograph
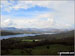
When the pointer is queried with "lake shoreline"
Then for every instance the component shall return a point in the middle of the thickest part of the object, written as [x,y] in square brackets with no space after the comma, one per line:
[22,35]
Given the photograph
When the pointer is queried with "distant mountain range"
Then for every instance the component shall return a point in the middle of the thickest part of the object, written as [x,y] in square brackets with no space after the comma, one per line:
[32,30]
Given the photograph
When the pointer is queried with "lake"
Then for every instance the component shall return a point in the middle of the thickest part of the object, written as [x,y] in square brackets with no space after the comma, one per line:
[18,35]
[21,35]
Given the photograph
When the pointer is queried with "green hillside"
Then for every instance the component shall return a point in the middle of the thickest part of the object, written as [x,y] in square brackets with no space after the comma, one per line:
[45,44]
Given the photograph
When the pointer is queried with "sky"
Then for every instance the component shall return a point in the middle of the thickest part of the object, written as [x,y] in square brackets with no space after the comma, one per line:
[37,14]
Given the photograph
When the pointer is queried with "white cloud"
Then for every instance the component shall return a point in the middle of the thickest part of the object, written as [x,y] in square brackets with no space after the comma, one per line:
[28,4]
[39,22]
[36,22]
[5,21]
[63,15]
[6,5]
[59,26]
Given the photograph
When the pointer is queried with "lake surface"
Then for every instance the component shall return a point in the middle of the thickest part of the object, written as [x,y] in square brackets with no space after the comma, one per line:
[20,35]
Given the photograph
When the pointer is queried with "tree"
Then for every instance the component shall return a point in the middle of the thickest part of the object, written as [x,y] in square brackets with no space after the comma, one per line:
[48,47]
[33,40]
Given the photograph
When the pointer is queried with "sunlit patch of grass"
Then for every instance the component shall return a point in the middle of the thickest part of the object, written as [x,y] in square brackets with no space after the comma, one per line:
[27,40]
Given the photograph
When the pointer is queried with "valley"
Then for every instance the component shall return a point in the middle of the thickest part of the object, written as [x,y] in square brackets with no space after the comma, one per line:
[45,44]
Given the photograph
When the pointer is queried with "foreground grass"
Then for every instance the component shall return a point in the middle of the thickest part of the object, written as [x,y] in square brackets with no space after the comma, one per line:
[41,50]
[53,49]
